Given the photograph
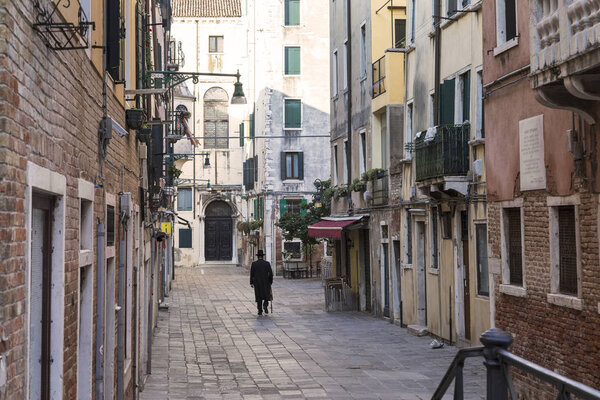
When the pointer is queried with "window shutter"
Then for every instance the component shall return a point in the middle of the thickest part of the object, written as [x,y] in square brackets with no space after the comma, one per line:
[113,39]
[302,209]
[245,174]
[255,169]
[292,12]
[301,165]
[293,114]
[242,134]
[283,169]
[252,126]
[251,173]
[447,102]
[466,96]
[262,208]
[282,207]
[292,60]
[255,209]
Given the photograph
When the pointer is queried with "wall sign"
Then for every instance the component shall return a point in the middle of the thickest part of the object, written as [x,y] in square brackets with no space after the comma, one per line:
[531,152]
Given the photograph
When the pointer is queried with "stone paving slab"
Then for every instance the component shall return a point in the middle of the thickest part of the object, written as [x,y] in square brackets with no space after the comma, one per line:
[210,344]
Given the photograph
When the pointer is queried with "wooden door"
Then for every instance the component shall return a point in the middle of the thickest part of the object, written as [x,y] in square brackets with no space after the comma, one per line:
[218,239]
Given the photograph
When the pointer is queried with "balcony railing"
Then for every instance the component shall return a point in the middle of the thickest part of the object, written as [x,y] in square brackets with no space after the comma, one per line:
[563,30]
[444,151]
[378,77]
[498,362]
[380,190]
[176,55]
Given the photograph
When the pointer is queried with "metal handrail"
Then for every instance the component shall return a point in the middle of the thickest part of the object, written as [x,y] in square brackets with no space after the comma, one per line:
[566,385]
[455,371]
[499,380]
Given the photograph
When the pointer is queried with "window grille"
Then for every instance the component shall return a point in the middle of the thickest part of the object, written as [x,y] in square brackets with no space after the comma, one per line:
[567,250]
[515,251]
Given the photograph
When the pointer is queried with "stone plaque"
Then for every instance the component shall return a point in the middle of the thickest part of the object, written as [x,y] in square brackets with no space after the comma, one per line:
[531,152]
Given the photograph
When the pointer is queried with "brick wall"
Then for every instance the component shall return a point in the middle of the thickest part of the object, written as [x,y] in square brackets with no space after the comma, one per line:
[50,107]
[559,338]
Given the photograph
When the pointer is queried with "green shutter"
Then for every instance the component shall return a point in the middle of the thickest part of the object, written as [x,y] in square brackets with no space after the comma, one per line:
[467,96]
[242,134]
[255,209]
[292,12]
[292,60]
[262,208]
[447,102]
[252,126]
[282,207]
[293,114]
[302,209]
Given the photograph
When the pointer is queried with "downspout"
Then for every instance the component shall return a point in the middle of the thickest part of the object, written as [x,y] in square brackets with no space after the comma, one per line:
[349,107]
[134,328]
[437,9]
[100,311]
[121,310]
[150,305]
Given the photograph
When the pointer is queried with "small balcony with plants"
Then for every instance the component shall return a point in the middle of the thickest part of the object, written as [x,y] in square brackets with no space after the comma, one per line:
[442,156]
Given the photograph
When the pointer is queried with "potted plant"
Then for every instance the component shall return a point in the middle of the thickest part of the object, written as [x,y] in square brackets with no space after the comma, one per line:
[358,186]
[144,134]
[135,118]
[340,192]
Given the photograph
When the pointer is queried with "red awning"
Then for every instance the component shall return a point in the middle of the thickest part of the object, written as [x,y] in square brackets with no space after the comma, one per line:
[329,229]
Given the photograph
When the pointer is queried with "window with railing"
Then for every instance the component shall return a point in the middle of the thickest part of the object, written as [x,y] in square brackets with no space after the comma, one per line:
[176,55]
[379,77]
[442,151]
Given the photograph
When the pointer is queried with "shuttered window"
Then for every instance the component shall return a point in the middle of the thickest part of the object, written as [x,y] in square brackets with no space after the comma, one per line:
[282,207]
[184,199]
[292,114]
[242,134]
[216,119]
[447,102]
[115,35]
[292,12]
[110,226]
[292,60]
[185,238]
[567,250]
[514,248]
[510,12]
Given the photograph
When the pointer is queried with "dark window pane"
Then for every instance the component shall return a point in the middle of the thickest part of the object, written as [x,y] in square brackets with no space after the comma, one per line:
[215,44]
[399,33]
[483,287]
[434,238]
[110,226]
[511,19]
[567,250]
[515,252]
[293,205]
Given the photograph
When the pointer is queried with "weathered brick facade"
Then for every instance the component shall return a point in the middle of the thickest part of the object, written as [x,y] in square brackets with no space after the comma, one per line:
[50,110]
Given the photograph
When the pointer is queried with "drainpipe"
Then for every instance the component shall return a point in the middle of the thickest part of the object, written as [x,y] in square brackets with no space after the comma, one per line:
[437,9]
[150,306]
[136,339]
[121,314]
[349,107]
[100,311]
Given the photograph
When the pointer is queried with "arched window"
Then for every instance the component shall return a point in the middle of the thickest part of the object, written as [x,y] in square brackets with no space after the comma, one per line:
[216,119]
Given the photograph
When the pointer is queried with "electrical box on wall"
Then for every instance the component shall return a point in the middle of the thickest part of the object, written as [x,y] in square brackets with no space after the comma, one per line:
[125,202]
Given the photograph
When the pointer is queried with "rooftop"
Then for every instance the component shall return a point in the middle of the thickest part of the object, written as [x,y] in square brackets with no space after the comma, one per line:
[207,8]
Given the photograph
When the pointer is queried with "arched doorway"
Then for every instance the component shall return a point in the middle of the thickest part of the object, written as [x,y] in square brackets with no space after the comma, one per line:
[218,232]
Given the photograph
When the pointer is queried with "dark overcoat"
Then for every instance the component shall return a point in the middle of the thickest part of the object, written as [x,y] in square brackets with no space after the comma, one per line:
[261,276]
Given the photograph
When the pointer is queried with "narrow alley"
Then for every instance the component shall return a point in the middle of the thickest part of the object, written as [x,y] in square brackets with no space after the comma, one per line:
[210,344]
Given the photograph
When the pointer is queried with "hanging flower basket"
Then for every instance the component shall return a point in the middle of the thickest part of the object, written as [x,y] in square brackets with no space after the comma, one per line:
[135,118]
[144,135]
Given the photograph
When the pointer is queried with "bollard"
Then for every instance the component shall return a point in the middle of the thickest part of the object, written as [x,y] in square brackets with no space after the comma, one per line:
[493,340]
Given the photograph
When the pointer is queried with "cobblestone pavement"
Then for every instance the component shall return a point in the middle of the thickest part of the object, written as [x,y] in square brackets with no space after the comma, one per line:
[212,345]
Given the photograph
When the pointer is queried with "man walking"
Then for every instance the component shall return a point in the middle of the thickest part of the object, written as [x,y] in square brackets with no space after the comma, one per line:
[261,278]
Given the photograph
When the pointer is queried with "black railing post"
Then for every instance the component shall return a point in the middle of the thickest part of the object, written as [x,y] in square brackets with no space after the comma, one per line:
[495,339]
